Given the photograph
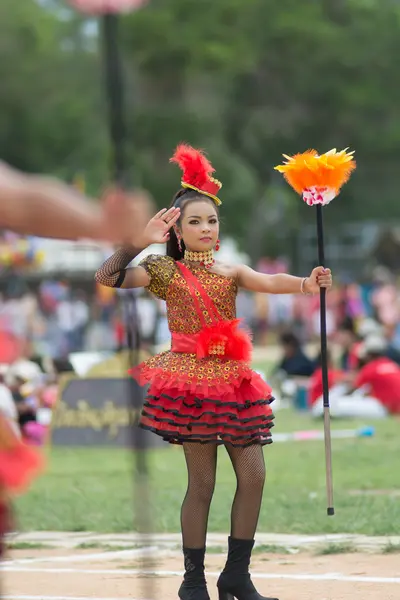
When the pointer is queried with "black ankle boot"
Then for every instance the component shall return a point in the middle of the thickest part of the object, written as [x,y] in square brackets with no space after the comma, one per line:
[194,585]
[235,581]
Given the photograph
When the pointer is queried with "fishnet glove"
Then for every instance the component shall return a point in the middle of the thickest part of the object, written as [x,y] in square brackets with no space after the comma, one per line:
[112,272]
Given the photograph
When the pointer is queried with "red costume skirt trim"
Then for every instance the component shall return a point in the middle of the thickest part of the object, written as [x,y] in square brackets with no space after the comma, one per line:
[19,466]
[234,410]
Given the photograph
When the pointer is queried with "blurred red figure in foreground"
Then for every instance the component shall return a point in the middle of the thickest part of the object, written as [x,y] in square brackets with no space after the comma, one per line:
[36,205]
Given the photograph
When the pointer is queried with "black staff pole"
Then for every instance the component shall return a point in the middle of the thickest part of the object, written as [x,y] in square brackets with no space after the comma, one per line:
[115,96]
[114,85]
[324,365]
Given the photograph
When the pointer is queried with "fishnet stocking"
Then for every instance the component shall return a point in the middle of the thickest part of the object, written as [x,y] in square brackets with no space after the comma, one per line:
[249,467]
[201,462]
[112,271]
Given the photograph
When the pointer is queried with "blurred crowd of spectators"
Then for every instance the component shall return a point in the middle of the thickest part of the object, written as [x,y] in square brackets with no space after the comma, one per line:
[363,371]
[364,341]
[45,324]
[56,319]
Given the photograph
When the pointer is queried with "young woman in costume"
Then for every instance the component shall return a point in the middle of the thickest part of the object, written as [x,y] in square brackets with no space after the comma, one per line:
[203,392]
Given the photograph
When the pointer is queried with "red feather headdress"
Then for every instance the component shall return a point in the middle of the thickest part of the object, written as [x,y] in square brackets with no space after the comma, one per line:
[197,172]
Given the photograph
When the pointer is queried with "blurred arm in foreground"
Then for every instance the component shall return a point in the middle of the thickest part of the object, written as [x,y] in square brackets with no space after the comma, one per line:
[46,207]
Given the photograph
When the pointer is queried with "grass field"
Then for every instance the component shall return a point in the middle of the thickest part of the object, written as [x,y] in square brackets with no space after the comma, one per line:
[91,489]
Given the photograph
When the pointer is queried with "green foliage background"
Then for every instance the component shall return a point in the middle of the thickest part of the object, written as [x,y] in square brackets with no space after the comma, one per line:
[247,81]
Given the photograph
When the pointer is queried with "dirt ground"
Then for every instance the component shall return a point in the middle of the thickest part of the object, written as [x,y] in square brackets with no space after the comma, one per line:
[65,574]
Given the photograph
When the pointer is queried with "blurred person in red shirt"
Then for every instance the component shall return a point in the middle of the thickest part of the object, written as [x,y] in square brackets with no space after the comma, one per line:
[379,375]
[372,392]
[315,387]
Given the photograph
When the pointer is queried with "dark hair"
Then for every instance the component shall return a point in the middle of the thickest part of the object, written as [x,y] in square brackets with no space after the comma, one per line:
[347,325]
[181,199]
[289,339]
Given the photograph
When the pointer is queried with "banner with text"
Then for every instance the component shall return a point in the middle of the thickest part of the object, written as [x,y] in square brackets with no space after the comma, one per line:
[100,412]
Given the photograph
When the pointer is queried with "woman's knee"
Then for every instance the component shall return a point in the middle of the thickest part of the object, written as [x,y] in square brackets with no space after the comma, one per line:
[249,466]
[253,477]
[202,485]
[201,464]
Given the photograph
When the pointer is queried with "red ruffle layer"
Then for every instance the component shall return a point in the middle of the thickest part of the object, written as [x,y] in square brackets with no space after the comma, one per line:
[177,422]
[234,411]
[218,387]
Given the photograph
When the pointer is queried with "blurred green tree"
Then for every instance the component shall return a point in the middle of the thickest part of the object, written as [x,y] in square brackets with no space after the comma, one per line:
[50,96]
[251,80]
[247,81]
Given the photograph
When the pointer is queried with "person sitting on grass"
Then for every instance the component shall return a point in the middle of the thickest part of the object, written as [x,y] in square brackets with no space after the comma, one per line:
[315,386]
[349,342]
[374,391]
[295,362]
[379,375]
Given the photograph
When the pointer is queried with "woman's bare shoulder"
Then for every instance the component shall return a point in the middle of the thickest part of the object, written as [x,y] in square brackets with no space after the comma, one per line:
[225,269]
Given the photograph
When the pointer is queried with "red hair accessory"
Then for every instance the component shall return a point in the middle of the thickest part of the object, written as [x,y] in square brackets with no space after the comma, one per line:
[197,172]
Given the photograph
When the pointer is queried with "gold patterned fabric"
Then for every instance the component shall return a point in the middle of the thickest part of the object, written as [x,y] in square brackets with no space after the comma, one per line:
[161,270]
[168,284]
[212,399]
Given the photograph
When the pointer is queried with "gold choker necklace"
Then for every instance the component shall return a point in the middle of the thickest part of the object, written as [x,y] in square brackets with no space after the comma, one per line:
[206,258]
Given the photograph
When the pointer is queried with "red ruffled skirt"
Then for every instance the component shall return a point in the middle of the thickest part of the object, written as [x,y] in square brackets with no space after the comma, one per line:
[207,400]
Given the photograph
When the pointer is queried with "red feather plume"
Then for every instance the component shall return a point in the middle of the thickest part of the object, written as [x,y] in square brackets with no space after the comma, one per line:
[196,168]
[237,341]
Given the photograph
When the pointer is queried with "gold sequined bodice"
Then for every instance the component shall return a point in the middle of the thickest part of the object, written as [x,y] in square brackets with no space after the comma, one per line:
[168,284]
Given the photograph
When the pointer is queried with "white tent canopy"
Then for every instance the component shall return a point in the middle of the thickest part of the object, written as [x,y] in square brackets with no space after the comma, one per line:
[66,257]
